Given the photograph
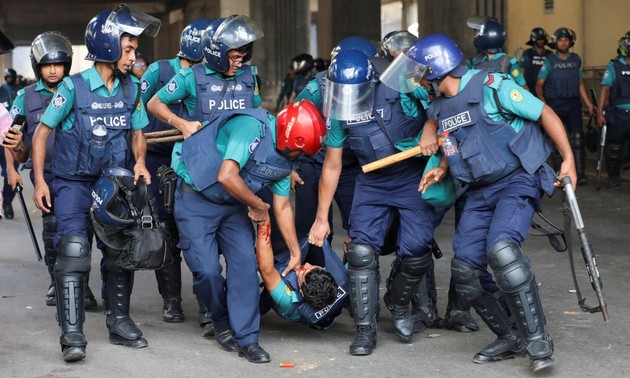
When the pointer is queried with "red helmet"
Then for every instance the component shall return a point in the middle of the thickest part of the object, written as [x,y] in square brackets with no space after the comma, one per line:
[301,127]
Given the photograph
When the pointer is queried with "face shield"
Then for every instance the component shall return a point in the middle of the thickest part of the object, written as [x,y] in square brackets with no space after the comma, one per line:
[237,31]
[403,74]
[398,43]
[54,46]
[477,23]
[347,102]
[132,21]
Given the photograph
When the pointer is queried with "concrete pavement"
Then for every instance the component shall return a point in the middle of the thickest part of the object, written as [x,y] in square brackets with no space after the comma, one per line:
[585,345]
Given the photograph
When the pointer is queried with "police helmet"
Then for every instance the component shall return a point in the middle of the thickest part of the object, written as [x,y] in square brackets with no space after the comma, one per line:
[103,32]
[300,126]
[563,32]
[433,56]
[5,44]
[302,63]
[354,43]
[349,86]
[51,47]
[225,34]
[537,34]
[396,42]
[624,44]
[118,202]
[490,34]
[10,72]
[190,40]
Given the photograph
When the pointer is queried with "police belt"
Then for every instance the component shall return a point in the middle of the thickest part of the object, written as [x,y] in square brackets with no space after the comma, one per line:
[622,112]
[186,188]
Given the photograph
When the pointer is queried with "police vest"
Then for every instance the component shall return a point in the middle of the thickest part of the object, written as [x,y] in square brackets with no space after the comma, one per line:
[75,161]
[620,90]
[564,79]
[488,150]
[216,96]
[203,160]
[373,137]
[35,104]
[299,83]
[308,314]
[535,62]
[165,74]
[492,65]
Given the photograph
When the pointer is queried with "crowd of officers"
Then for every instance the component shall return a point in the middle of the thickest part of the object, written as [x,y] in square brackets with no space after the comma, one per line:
[235,162]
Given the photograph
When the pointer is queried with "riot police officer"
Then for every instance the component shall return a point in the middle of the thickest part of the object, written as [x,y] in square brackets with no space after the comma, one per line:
[98,117]
[614,109]
[157,75]
[6,46]
[489,39]
[370,117]
[8,91]
[221,169]
[560,85]
[303,66]
[51,58]
[503,192]
[533,58]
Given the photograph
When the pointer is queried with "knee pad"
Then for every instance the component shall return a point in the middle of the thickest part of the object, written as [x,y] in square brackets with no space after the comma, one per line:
[466,280]
[576,140]
[73,252]
[614,151]
[416,266]
[361,256]
[512,270]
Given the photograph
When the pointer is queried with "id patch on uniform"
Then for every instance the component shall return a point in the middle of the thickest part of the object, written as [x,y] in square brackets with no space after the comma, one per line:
[15,111]
[172,86]
[58,101]
[515,72]
[144,86]
[516,95]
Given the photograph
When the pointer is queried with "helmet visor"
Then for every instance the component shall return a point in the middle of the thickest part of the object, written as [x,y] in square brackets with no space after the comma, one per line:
[237,31]
[5,44]
[398,43]
[347,102]
[403,74]
[55,44]
[132,21]
[477,22]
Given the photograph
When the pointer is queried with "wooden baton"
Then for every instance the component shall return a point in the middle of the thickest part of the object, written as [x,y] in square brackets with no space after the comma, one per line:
[165,139]
[391,159]
[160,134]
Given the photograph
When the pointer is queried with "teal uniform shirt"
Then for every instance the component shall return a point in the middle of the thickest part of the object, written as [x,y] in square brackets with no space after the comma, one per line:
[312,93]
[513,98]
[284,298]
[545,70]
[63,114]
[183,86]
[234,141]
[607,81]
[18,104]
[514,71]
[410,102]
[152,78]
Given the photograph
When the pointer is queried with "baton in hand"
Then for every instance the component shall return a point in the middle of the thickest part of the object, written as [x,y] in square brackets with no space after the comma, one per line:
[18,190]
[589,259]
[600,155]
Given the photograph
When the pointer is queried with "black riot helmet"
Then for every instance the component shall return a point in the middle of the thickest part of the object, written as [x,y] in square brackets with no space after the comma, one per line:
[5,44]
[51,47]
[303,63]
[490,34]
[563,33]
[537,34]
[10,72]
[624,44]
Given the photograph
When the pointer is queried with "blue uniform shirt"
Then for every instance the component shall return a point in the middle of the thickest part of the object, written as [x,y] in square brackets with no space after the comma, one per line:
[61,109]
[235,141]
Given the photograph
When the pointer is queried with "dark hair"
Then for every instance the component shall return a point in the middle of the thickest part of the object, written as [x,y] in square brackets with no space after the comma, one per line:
[319,288]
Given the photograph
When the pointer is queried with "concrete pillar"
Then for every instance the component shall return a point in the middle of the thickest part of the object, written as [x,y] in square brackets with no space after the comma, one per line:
[339,19]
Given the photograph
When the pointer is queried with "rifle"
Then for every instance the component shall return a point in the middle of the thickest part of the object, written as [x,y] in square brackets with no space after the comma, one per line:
[29,224]
[570,201]
[601,147]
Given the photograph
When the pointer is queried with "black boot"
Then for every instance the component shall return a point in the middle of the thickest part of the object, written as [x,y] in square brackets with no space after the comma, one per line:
[203,317]
[51,297]
[423,306]
[169,281]
[49,229]
[458,316]
[363,296]
[614,154]
[8,210]
[122,329]
[90,300]
[579,155]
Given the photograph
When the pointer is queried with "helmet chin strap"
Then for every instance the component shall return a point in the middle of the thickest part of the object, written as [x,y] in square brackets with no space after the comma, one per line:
[122,77]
